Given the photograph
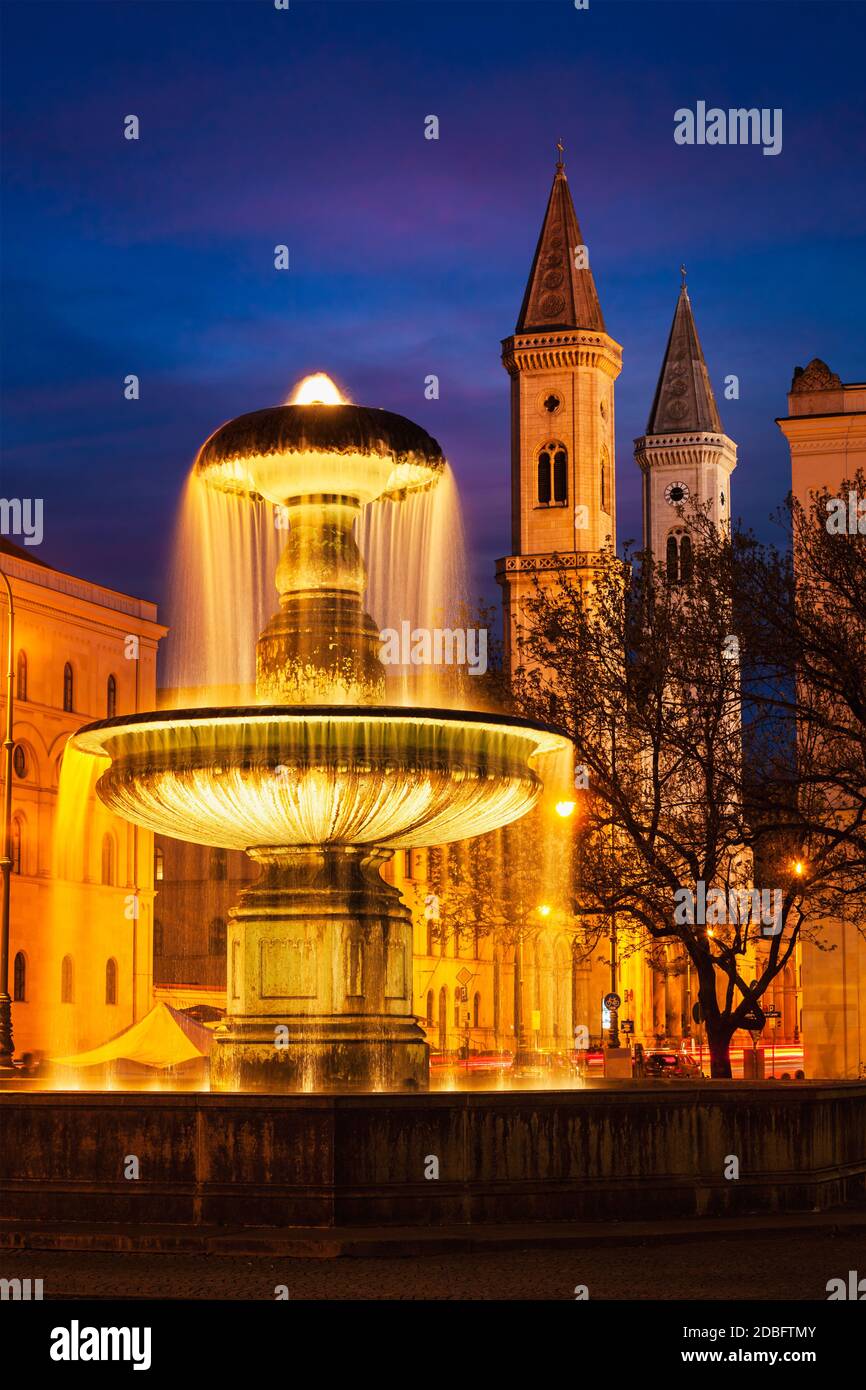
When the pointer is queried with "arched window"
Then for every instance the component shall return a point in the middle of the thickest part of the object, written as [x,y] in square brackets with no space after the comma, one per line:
[216,941]
[17,837]
[68,688]
[679,558]
[21,677]
[158,864]
[603,473]
[218,863]
[111,698]
[544,478]
[158,937]
[108,859]
[443,1018]
[476,1011]
[66,981]
[560,476]
[19,978]
[686,559]
[19,760]
[111,981]
[456,1008]
[429,1007]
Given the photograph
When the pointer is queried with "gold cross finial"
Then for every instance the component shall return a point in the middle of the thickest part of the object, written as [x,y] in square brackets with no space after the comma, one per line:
[560,147]
[683,274]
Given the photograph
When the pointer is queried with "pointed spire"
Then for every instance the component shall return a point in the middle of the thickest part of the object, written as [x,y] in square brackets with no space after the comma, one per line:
[560,292]
[684,401]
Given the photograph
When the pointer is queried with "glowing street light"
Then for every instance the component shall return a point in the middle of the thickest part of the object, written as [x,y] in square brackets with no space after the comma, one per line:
[566,808]
[798,868]
[544,909]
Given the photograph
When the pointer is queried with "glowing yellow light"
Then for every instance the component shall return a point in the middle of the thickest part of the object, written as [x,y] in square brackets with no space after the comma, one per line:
[544,910]
[798,868]
[710,931]
[317,389]
[565,808]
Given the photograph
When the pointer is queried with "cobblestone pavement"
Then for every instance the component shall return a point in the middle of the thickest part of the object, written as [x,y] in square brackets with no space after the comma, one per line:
[795,1266]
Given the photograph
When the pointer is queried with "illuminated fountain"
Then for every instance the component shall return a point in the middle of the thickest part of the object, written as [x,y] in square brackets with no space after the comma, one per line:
[319,781]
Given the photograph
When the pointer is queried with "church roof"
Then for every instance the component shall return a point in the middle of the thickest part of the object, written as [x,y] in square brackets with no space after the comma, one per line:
[684,400]
[558,294]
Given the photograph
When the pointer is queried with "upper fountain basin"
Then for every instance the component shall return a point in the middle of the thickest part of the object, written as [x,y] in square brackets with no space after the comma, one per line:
[278,776]
[294,451]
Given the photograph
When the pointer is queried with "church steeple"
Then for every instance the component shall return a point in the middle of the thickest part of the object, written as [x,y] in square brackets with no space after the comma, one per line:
[560,292]
[685,456]
[684,400]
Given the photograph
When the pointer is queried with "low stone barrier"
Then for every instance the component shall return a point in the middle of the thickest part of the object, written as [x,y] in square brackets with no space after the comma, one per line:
[449,1158]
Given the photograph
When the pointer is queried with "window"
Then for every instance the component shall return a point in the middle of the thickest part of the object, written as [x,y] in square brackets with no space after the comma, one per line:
[216,942]
[679,558]
[552,403]
[476,1011]
[553,476]
[66,981]
[604,479]
[19,760]
[21,679]
[111,981]
[429,1006]
[544,478]
[158,864]
[17,837]
[456,1009]
[108,859]
[111,698]
[158,937]
[218,864]
[19,978]
[68,689]
[407,869]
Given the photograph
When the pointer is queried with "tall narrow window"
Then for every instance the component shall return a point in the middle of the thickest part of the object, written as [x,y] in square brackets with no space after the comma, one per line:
[685,559]
[476,1011]
[68,688]
[218,864]
[17,837]
[111,698]
[158,864]
[429,1007]
[111,981]
[673,560]
[560,476]
[19,978]
[544,478]
[66,981]
[21,677]
[108,859]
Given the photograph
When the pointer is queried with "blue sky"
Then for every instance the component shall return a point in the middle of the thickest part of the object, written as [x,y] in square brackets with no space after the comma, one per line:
[408,256]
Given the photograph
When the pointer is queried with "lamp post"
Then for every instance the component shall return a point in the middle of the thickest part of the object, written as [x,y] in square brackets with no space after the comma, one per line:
[6,1042]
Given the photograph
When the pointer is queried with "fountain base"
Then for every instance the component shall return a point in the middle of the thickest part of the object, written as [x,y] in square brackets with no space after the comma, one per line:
[319,981]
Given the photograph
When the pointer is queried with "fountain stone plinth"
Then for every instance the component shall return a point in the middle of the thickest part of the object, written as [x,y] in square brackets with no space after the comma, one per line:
[320,781]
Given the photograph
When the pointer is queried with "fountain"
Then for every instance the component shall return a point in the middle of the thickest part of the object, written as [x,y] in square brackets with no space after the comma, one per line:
[320,780]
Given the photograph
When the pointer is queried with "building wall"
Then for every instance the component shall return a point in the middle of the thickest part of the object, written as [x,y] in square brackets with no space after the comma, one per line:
[60,620]
[826,431]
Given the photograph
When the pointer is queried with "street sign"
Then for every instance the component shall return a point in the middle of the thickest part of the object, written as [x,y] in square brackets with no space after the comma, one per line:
[772,1013]
[612,1002]
[754,1020]
[464,976]
[627,1026]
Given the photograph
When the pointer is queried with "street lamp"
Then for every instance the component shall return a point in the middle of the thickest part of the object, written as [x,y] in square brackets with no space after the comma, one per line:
[565,808]
[6,1043]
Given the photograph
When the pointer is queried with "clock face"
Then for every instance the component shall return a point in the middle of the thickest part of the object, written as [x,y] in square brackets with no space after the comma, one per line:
[676,494]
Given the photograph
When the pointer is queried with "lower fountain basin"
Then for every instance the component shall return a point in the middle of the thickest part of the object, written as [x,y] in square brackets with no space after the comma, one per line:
[277,775]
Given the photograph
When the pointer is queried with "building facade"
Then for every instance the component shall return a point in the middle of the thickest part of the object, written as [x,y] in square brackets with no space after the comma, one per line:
[81,900]
[826,431]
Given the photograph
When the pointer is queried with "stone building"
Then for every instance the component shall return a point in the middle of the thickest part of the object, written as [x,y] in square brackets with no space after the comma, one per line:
[80,945]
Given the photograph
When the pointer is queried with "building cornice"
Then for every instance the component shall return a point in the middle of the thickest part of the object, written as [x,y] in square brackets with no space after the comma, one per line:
[663,450]
[573,347]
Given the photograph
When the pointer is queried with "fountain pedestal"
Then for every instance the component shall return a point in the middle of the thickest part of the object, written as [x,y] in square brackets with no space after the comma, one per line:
[319,988]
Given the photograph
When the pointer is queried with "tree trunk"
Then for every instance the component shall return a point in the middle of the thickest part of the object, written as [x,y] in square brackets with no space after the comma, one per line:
[719,1042]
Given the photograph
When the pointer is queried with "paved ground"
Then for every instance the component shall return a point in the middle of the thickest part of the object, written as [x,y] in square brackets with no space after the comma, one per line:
[795,1266]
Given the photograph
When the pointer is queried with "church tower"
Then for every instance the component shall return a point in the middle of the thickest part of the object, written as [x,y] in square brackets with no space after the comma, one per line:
[562,366]
[685,456]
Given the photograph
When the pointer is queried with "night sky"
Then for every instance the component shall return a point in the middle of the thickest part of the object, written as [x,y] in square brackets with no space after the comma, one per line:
[408,256]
